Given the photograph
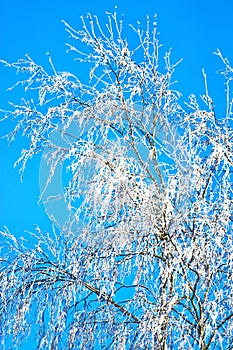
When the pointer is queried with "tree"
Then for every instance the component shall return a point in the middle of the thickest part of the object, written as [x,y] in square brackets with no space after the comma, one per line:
[144,259]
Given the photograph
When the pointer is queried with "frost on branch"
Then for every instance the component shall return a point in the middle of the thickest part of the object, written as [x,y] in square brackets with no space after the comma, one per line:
[145,258]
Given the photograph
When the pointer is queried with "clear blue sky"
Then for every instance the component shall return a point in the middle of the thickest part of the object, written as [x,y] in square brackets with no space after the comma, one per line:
[194,29]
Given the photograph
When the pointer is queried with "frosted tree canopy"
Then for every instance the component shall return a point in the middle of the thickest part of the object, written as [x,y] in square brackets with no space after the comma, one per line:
[142,257]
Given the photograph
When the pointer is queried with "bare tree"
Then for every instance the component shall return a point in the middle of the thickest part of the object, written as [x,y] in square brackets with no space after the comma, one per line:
[144,259]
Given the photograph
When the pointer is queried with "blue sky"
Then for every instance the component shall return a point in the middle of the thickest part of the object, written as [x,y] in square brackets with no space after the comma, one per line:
[193,29]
